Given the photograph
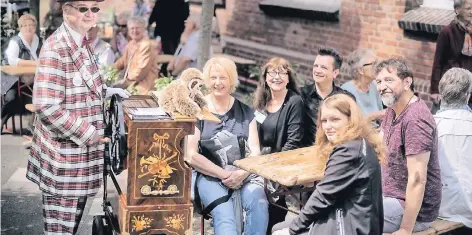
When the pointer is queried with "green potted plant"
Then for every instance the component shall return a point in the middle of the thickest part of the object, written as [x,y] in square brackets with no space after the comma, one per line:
[110,74]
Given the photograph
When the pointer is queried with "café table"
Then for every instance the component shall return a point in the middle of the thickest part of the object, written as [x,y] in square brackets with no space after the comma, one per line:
[18,70]
[12,74]
[295,171]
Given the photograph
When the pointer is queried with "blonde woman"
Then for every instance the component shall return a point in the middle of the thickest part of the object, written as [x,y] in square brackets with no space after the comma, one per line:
[214,175]
[348,200]
[139,61]
[23,50]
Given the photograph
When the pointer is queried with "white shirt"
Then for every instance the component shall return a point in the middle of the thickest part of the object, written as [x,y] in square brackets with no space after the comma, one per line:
[103,51]
[455,160]
[13,50]
[75,35]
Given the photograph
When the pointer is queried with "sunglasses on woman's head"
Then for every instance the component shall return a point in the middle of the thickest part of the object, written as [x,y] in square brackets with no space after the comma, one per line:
[85,9]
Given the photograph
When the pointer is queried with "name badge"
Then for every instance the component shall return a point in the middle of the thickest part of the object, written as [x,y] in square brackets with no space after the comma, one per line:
[260,117]
[77,81]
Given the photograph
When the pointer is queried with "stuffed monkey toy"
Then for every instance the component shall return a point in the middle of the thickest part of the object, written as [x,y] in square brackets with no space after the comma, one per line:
[184,95]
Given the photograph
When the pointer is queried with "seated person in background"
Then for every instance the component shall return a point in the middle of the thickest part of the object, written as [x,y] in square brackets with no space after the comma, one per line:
[454,121]
[139,61]
[102,50]
[280,113]
[141,9]
[120,34]
[359,65]
[22,50]
[411,179]
[348,200]
[215,181]
[187,52]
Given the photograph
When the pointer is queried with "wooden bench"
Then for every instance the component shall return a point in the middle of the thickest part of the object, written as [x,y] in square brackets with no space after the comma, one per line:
[439,227]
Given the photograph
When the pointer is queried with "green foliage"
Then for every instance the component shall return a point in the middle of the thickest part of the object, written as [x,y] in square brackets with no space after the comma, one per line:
[299,79]
[110,74]
[133,90]
[254,72]
[161,83]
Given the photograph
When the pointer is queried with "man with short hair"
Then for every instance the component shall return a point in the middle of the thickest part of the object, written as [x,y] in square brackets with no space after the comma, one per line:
[411,177]
[326,68]
[454,121]
[66,156]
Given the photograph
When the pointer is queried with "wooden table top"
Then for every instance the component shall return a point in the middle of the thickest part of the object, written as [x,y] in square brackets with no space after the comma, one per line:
[18,70]
[289,168]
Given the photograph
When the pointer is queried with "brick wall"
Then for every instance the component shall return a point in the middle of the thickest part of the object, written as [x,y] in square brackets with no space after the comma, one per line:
[362,23]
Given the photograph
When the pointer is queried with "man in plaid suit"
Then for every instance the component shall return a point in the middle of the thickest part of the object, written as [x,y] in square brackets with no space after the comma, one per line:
[66,158]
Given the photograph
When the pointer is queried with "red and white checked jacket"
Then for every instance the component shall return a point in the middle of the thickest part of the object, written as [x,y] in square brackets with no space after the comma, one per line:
[69,113]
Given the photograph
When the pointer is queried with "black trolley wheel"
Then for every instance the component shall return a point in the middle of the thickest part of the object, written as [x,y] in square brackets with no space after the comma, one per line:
[100,226]
[116,152]
[116,149]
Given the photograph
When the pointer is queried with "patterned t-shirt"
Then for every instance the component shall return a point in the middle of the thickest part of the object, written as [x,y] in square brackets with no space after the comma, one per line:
[411,133]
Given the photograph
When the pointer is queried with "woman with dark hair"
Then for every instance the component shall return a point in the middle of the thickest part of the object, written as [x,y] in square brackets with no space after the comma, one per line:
[279,115]
[348,200]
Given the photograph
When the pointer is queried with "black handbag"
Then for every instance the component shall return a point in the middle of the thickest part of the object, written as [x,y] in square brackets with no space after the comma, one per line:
[209,148]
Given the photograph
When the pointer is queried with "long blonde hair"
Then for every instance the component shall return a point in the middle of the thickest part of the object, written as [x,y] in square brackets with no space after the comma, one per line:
[358,127]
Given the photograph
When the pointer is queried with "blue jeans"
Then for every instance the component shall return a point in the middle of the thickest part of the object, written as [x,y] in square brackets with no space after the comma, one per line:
[393,214]
[254,202]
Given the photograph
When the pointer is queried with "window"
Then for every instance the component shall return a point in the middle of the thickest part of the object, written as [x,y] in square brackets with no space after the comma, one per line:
[429,17]
[309,9]
[439,4]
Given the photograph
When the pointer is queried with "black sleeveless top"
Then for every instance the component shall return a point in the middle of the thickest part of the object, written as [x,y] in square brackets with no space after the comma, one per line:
[24,52]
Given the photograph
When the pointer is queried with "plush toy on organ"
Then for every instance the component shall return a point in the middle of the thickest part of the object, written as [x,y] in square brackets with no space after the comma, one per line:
[184,95]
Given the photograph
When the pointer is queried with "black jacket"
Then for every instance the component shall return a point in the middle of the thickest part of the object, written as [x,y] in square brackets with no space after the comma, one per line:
[289,131]
[348,200]
[170,16]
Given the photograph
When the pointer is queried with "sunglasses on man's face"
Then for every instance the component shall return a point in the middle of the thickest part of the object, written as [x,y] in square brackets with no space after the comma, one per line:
[85,9]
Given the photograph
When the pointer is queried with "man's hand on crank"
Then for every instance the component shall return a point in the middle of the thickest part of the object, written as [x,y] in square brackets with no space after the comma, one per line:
[96,140]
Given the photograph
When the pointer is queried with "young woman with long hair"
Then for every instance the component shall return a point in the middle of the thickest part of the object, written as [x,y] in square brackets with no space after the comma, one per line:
[348,200]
